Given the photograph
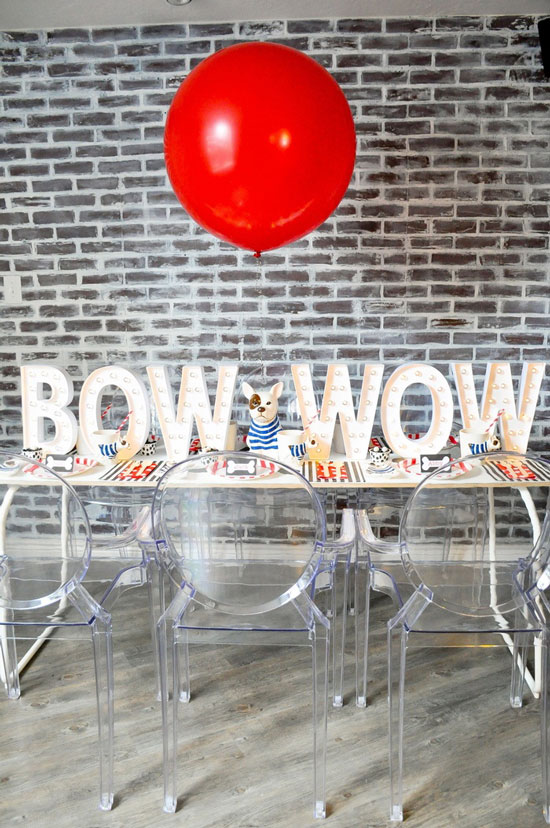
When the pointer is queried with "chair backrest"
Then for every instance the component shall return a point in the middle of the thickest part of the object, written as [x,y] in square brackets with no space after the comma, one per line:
[473,531]
[244,531]
[45,543]
[116,515]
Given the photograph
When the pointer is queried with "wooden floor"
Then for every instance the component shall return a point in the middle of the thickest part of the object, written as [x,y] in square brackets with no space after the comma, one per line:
[471,761]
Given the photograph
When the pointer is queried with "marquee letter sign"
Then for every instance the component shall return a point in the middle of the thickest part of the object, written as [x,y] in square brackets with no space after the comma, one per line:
[47,393]
[137,430]
[442,410]
[498,394]
[338,401]
[193,403]
[36,408]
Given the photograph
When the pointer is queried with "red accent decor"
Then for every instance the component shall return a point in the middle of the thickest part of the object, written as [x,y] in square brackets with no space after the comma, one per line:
[259,145]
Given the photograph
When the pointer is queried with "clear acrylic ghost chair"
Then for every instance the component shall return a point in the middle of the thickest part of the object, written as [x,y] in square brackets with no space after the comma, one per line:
[476,551]
[378,561]
[331,585]
[45,556]
[244,555]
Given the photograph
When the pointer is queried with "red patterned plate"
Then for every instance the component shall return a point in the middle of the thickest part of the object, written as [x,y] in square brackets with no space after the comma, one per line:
[412,466]
[80,464]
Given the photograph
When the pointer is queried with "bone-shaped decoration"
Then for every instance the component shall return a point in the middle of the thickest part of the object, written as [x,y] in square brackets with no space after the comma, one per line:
[241,468]
[60,462]
[428,463]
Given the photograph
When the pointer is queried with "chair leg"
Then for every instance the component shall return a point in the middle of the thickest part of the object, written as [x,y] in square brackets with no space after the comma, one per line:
[338,633]
[182,667]
[362,611]
[519,661]
[103,658]
[8,654]
[155,590]
[320,657]
[545,725]
[169,707]
[397,650]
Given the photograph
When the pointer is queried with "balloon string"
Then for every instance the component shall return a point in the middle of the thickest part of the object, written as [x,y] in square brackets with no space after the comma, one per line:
[257,255]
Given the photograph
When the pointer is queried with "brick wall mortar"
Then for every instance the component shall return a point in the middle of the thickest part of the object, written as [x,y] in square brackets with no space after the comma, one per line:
[439,251]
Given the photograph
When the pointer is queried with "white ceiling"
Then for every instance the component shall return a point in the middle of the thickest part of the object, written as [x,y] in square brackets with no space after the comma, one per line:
[45,14]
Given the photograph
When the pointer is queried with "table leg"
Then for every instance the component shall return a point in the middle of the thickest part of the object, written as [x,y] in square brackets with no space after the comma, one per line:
[529,678]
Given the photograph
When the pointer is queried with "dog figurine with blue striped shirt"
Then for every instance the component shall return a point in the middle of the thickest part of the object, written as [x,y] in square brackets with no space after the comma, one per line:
[265,425]
[266,435]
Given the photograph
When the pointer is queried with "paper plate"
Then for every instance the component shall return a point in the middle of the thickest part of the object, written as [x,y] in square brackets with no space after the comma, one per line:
[412,466]
[388,470]
[9,466]
[241,470]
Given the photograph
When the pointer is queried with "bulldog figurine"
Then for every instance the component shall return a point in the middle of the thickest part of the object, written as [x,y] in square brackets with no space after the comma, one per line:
[265,425]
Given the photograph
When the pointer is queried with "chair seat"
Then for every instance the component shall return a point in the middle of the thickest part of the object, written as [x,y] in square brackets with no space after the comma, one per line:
[104,581]
[284,619]
[435,619]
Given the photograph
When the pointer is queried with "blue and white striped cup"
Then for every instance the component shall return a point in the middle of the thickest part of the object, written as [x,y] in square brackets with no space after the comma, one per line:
[476,441]
[107,443]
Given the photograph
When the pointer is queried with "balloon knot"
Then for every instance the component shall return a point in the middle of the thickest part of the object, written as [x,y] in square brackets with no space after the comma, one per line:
[257,254]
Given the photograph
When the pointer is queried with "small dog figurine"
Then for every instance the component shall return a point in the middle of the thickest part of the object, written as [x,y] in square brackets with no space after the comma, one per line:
[265,425]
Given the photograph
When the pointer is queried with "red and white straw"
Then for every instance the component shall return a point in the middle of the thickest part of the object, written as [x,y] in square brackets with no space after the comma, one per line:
[491,424]
[106,410]
[125,420]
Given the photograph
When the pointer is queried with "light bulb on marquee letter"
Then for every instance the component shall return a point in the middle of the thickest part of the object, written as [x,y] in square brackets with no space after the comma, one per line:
[442,410]
[137,429]
[36,408]
[193,404]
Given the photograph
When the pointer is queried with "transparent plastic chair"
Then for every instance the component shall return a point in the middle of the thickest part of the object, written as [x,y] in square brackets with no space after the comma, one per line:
[243,539]
[378,565]
[476,552]
[47,584]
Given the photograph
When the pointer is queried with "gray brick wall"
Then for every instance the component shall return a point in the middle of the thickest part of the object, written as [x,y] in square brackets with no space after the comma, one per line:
[439,250]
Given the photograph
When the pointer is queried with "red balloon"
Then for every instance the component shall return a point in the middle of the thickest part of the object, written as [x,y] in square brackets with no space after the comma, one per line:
[259,145]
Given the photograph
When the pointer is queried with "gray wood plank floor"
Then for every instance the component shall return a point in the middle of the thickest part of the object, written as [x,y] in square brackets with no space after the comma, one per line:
[471,761]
